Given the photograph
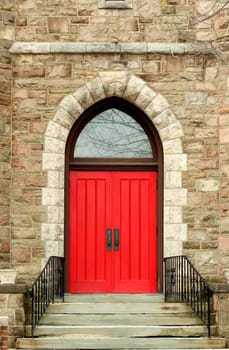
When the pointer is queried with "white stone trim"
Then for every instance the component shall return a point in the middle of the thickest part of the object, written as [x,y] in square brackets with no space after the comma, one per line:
[132,88]
[19,47]
[115,4]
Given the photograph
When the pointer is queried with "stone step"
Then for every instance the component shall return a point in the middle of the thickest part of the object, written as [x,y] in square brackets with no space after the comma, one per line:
[109,308]
[114,298]
[92,341]
[123,330]
[114,319]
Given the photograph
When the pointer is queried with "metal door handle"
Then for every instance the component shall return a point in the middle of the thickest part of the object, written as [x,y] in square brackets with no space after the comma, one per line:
[109,238]
[116,239]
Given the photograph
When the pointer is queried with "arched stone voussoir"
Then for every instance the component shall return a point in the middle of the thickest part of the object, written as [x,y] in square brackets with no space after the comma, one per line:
[133,88]
[145,97]
[84,97]
[57,131]
[63,118]
[114,83]
[72,106]
[165,118]
[96,89]
[172,131]
[158,105]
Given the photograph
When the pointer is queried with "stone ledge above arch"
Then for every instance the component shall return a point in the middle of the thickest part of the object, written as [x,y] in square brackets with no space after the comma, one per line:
[135,90]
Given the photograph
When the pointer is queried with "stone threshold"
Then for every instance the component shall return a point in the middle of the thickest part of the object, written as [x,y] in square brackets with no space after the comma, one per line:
[203,48]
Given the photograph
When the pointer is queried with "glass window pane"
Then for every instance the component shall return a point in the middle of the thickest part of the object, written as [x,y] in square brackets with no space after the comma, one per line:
[113,134]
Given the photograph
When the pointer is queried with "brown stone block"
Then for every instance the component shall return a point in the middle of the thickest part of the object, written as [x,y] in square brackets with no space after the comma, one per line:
[224,110]
[39,95]
[21,150]
[21,21]
[25,33]
[205,164]
[224,244]
[21,254]
[5,87]
[191,245]
[59,70]
[21,233]
[38,252]
[4,216]
[29,73]
[209,245]
[54,99]
[172,65]
[58,25]
[4,99]
[36,181]
[4,246]
[38,128]
[80,20]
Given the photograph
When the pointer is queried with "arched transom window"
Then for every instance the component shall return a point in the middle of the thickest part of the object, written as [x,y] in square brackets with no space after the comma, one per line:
[113,134]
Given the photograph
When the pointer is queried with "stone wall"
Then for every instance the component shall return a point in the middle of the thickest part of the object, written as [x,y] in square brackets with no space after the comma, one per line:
[193,82]
[7,30]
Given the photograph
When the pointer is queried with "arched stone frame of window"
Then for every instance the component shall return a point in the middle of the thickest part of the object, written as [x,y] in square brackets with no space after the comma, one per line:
[156,108]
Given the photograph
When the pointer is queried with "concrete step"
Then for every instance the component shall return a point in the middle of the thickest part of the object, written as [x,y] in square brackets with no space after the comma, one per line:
[96,342]
[123,330]
[114,298]
[119,321]
[115,319]
[109,308]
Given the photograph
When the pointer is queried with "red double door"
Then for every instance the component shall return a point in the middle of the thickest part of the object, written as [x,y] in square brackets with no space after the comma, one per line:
[112,243]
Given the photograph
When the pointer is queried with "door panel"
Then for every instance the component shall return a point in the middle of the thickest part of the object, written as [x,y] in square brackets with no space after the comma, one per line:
[89,217]
[135,213]
[125,202]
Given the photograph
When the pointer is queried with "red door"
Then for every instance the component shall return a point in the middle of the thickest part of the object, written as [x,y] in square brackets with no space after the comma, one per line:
[112,245]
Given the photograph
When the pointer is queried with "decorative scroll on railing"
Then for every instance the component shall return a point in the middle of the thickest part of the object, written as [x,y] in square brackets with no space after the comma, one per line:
[184,283]
[48,286]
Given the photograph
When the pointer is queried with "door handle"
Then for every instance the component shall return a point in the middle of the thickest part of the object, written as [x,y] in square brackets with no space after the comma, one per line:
[109,238]
[116,239]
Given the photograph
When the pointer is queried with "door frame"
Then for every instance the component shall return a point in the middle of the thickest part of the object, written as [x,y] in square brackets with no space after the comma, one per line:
[116,165]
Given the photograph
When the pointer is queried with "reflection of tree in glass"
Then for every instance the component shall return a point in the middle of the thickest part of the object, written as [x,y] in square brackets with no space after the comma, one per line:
[113,134]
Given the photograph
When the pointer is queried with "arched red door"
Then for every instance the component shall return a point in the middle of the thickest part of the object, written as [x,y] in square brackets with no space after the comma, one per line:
[113,231]
[113,226]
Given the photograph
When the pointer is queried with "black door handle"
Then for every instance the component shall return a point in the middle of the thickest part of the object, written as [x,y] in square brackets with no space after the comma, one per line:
[116,239]
[109,238]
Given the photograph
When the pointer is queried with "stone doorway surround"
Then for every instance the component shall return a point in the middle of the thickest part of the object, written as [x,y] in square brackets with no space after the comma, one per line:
[135,90]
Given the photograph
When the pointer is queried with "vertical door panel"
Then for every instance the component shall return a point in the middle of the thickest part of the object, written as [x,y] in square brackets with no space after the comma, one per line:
[90,215]
[135,213]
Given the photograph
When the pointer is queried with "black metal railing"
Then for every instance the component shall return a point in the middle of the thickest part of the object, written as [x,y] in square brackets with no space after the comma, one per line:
[48,286]
[184,283]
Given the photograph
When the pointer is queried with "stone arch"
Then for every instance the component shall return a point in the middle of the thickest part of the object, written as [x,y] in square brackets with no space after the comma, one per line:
[156,107]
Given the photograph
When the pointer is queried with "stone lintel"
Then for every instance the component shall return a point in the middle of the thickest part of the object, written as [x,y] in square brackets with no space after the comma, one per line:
[105,47]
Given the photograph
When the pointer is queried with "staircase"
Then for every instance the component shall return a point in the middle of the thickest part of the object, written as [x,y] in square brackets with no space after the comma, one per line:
[119,321]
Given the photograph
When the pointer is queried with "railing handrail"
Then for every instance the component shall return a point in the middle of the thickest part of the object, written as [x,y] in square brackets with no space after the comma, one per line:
[48,285]
[184,283]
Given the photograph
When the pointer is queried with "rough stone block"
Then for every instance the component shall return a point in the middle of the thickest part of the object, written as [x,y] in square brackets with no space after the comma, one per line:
[175,197]
[145,97]
[52,197]
[58,25]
